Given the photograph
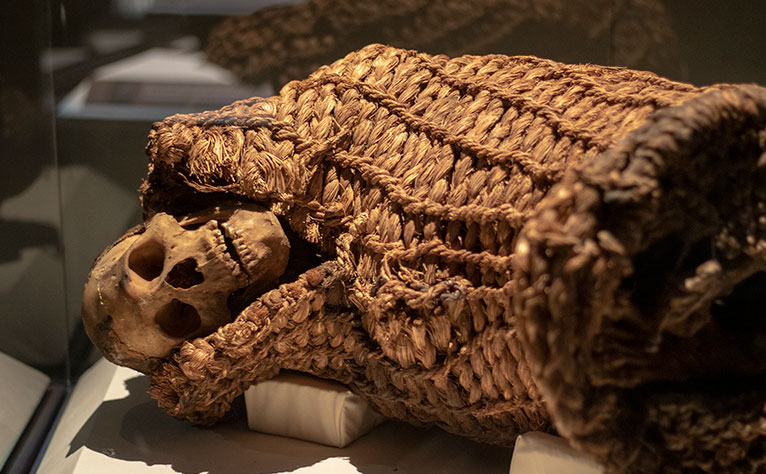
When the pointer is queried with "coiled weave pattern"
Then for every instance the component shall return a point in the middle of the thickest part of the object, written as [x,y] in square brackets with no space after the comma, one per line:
[460,285]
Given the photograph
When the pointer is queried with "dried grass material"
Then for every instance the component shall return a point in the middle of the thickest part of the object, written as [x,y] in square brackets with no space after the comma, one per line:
[642,288]
[460,287]
[283,43]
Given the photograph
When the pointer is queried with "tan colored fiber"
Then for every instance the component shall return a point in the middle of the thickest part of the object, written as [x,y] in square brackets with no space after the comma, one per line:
[462,286]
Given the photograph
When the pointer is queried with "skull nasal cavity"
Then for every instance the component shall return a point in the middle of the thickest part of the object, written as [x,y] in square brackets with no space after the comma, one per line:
[178,319]
[184,274]
[147,260]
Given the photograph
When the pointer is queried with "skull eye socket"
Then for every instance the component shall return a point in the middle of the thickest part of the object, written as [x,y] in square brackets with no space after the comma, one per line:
[185,274]
[178,319]
[147,260]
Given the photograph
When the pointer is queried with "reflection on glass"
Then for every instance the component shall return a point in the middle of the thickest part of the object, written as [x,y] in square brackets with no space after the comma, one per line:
[31,267]
[288,42]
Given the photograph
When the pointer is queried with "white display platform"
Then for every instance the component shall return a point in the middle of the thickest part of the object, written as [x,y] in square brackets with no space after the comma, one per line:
[540,453]
[20,392]
[111,425]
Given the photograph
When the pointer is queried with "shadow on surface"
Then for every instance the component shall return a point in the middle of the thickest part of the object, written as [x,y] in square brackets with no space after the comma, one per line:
[135,429]
[18,235]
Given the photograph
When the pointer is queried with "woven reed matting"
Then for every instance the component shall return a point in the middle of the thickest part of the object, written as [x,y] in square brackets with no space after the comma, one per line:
[283,43]
[426,182]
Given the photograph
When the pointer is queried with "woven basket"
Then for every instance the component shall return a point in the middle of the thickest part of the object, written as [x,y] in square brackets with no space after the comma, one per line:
[505,242]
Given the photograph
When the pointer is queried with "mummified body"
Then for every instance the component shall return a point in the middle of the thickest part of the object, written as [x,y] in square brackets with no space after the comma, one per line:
[438,269]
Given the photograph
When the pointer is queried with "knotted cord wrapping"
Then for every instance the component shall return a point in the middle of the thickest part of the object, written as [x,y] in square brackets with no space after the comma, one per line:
[461,285]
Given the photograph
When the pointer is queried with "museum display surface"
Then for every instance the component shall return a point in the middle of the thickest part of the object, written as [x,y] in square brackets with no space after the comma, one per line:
[375,236]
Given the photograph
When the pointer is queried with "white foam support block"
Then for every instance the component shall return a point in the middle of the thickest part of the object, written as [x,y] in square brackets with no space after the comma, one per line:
[310,409]
[540,453]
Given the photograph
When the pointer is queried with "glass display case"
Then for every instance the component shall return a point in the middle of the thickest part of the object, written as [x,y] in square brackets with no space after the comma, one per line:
[81,84]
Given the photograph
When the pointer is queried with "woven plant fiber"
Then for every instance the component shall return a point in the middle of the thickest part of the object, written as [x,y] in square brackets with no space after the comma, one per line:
[506,244]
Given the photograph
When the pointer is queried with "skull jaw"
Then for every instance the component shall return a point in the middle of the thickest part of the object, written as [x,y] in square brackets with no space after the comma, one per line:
[99,327]
[118,353]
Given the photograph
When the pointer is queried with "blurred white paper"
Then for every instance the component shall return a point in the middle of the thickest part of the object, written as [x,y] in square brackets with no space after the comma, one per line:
[154,84]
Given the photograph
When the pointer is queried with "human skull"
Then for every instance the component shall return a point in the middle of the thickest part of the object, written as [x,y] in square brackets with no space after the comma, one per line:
[154,289]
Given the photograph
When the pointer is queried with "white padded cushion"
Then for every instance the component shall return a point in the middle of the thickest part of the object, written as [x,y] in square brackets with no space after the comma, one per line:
[308,408]
[540,453]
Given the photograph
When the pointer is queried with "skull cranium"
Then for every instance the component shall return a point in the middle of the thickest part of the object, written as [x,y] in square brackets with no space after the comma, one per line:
[154,289]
